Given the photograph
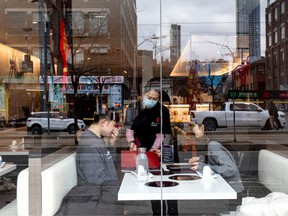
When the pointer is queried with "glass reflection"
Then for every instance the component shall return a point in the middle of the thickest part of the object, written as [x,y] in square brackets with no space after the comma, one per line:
[74,58]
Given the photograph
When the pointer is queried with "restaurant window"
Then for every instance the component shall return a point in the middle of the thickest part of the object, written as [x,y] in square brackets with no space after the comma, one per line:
[98,23]
[129,43]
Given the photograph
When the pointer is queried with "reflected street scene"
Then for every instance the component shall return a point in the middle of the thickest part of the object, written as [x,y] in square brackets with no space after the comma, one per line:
[143,107]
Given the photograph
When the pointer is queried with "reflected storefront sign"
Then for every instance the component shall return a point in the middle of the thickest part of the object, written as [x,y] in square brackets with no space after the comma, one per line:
[60,86]
[244,94]
[85,79]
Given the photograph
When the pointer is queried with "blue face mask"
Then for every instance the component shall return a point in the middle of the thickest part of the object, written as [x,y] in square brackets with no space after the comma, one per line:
[149,103]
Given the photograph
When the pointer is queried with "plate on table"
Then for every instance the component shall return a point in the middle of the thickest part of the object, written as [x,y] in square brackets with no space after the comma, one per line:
[2,164]
[180,168]
[183,177]
[161,184]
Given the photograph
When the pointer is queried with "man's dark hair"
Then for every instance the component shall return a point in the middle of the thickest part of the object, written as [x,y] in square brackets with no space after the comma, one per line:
[111,116]
[98,116]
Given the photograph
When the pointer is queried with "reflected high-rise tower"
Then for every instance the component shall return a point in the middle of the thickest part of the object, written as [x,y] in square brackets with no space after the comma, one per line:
[175,43]
[248,29]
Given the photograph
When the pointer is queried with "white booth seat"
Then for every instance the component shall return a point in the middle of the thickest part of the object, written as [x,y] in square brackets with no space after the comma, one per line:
[273,170]
[273,174]
[57,181]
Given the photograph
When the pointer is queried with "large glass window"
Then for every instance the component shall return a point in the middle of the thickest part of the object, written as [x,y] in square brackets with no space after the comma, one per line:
[201,84]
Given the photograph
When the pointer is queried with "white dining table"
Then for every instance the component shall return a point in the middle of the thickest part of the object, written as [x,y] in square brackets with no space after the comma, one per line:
[8,167]
[199,189]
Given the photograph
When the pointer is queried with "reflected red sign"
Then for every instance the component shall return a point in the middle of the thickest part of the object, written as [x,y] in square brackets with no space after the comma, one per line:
[274,95]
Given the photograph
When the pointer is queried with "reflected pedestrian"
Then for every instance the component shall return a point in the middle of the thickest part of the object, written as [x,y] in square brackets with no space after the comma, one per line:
[273,112]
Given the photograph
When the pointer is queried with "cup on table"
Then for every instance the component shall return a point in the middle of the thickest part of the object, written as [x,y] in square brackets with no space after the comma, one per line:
[207,171]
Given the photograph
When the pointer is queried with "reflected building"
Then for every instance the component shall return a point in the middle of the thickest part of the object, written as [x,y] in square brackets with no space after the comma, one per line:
[248,30]
[175,43]
[276,45]
[144,67]
[97,38]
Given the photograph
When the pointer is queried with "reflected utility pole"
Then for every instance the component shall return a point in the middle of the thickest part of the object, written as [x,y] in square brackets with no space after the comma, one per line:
[43,53]
[231,53]
[43,41]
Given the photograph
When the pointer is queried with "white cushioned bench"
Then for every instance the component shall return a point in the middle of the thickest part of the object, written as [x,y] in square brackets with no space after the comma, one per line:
[273,174]
[273,170]
[57,181]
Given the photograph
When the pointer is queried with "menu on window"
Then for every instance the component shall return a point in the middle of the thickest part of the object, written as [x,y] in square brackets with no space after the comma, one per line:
[179,113]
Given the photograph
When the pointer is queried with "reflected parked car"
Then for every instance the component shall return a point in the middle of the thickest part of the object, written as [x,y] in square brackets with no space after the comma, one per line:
[16,122]
[37,123]
[246,115]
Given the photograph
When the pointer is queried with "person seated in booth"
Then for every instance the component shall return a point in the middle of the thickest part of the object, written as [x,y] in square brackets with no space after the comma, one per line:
[98,181]
[218,158]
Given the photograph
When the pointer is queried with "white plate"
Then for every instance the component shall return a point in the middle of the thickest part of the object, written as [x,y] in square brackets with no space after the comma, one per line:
[2,164]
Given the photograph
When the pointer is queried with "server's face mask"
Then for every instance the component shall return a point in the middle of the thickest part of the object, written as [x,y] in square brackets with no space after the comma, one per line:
[149,103]
[150,99]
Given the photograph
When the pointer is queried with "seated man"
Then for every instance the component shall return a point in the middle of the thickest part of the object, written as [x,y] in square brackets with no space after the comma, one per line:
[98,183]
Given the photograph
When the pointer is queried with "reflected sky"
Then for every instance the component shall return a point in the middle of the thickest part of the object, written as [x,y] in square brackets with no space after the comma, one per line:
[210,26]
